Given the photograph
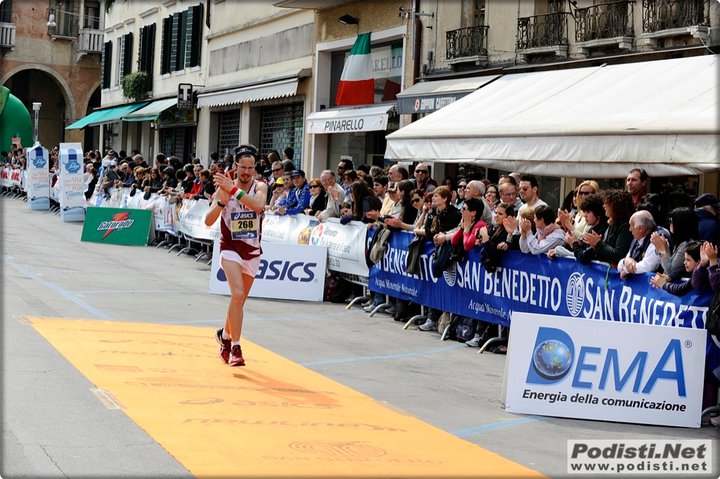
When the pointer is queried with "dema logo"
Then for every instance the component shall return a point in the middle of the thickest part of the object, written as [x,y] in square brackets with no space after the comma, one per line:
[575,293]
[593,367]
[552,356]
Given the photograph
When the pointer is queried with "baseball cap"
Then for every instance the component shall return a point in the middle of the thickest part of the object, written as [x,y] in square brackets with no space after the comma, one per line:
[279,181]
[297,173]
[706,199]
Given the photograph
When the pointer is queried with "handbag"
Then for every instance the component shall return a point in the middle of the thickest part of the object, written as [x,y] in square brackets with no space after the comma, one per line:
[379,244]
[441,258]
[412,265]
[712,317]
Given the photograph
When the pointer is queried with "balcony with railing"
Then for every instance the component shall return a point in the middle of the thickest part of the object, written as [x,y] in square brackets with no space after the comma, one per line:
[90,41]
[543,34]
[7,36]
[466,45]
[605,25]
[673,18]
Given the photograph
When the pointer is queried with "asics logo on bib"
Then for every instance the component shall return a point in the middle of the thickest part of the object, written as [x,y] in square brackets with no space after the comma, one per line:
[291,270]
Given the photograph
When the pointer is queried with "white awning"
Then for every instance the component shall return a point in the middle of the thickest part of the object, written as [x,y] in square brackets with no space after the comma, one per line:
[261,91]
[349,120]
[151,111]
[428,96]
[587,122]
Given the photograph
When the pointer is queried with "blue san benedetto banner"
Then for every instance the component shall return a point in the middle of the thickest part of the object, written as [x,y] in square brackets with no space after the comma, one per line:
[533,284]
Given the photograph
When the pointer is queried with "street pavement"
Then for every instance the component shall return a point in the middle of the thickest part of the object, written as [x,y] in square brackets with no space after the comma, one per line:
[55,426]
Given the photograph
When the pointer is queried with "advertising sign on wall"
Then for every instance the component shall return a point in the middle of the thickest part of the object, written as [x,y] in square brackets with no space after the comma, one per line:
[611,371]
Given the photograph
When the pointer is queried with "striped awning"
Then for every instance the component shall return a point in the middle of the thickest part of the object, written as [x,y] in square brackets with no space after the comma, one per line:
[262,91]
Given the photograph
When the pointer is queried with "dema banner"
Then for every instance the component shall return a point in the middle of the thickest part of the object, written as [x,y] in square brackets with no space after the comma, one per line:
[559,366]
[533,284]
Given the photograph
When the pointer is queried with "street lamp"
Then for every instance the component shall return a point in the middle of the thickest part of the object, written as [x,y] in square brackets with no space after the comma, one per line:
[36,130]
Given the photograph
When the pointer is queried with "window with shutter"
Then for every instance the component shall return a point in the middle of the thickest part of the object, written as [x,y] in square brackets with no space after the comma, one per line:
[120,70]
[165,52]
[146,54]
[107,65]
[6,11]
[127,54]
[177,52]
[194,25]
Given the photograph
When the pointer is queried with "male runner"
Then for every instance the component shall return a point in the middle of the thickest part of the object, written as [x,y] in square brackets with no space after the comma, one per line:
[240,204]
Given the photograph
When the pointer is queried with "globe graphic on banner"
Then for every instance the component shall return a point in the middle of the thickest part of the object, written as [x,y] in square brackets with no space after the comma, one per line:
[552,359]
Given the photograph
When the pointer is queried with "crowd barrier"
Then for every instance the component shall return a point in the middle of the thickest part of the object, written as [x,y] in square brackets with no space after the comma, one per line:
[536,284]
[523,283]
[12,178]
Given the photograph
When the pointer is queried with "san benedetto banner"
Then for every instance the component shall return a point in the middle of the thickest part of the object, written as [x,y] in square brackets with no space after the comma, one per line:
[610,371]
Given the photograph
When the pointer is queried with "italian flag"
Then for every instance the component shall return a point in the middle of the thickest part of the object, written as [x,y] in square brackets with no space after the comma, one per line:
[357,83]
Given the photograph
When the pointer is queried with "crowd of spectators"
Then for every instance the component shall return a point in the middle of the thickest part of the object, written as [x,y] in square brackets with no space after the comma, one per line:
[674,236]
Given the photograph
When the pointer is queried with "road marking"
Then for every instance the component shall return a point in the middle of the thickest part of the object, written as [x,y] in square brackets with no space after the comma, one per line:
[475,430]
[270,418]
[58,289]
[358,359]
[106,398]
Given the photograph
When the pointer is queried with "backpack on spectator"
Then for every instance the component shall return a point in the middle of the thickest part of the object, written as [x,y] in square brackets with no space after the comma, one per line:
[379,244]
[415,249]
[464,329]
[337,289]
[712,317]
[444,321]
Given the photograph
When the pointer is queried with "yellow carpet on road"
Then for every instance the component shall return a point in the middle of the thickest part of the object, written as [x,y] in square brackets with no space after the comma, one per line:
[271,418]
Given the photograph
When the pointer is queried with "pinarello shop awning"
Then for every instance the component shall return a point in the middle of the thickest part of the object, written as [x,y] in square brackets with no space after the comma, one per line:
[596,122]
[429,96]
[350,120]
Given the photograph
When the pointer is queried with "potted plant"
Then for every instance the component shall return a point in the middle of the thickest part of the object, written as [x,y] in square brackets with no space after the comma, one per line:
[136,85]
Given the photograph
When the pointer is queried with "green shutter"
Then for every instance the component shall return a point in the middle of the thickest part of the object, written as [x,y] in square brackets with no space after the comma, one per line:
[150,52]
[121,57]
[193,35]
[127,54]
[174,41]
[107,65]
[141,50]
[165,52]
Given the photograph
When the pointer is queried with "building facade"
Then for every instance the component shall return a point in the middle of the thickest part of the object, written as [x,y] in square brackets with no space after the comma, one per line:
[53,56]
[354,132]
[466,43]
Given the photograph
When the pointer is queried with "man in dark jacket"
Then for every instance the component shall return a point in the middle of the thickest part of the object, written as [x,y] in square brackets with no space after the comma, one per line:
[706,209]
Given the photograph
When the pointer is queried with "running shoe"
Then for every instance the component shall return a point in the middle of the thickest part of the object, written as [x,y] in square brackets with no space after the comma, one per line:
[236,358]
[224,346]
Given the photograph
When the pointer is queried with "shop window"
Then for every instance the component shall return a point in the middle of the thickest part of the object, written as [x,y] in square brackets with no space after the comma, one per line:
[282,126]
[387,70]
[229,131]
